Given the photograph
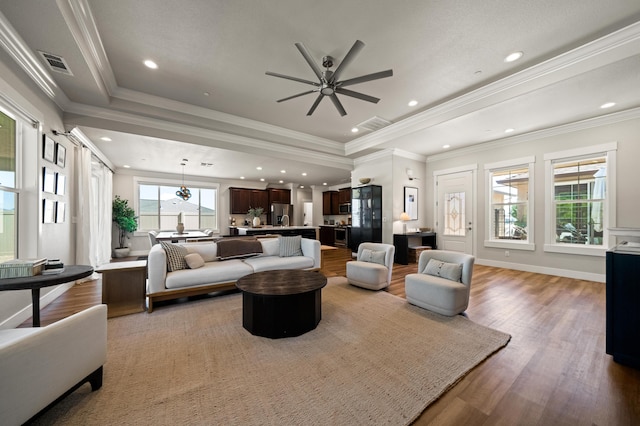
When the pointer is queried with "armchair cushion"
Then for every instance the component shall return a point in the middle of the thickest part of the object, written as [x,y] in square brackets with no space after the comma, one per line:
[291,246]
[438,268]
[373,256]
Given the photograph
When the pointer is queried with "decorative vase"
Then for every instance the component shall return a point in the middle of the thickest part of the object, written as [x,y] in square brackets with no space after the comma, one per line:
[121,252]
[180,228]
[256,221]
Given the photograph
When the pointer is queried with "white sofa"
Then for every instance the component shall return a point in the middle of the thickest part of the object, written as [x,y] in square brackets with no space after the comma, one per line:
[218,274]
[40,365]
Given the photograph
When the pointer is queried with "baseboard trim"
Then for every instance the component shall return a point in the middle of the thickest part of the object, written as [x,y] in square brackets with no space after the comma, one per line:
[25,313]
[567,273]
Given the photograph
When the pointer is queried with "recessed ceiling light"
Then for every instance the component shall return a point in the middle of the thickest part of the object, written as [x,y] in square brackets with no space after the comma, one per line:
[207,93]
[241,177]
[150,64]
[302,186]
[283,171]
[280,181]
[513,56]
[509,130]
[304,174]
[324,183]
[258,168]
[106,139]
[446,146]
[126,166]
[355,130]
[413,103]
[607,105]
[261,179]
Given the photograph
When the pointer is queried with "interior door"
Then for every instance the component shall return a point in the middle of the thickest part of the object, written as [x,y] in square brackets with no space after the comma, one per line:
[454,211]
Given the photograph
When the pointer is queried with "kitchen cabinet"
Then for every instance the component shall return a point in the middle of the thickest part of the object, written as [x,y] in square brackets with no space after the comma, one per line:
[242,199]
[344,195]
[366,215]
[281,196]
[327,235]
[330,203]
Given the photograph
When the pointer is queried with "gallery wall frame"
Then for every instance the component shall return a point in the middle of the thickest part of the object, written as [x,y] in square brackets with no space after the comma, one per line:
[61,184]
[411,202]
[48,211]
[61,155]
[60,211]
[48,180]
[48,149]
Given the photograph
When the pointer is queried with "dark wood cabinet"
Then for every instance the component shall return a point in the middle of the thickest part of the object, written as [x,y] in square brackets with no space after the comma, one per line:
[402,242]
[242,199]
[277,195]
[330,202]
[623,307]
[366,215]
[327,235]
[344,195]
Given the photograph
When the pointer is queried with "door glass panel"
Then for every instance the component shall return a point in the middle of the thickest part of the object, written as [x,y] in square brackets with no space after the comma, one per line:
[454,218]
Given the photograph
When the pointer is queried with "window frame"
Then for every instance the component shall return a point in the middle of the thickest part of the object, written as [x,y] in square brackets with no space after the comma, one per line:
[489,170]
[137,181]
[609,151]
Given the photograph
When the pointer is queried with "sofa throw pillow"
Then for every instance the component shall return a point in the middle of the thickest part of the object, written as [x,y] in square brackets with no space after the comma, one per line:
[175,256]
[290,246]
[194,261]
[450,271]
[372,256]
[238,248]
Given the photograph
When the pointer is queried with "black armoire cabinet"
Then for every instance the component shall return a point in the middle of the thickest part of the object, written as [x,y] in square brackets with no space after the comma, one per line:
[623,307]
[366,215]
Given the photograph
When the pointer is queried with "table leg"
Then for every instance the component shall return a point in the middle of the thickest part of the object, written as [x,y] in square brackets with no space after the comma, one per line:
[35,303]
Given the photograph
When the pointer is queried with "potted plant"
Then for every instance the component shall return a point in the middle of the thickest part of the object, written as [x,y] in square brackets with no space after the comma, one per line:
[126,221]
[255,212]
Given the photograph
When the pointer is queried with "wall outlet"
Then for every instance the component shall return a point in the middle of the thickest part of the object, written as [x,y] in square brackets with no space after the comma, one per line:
[506,253]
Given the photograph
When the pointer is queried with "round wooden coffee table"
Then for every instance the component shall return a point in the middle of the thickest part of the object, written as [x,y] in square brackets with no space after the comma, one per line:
[283,303]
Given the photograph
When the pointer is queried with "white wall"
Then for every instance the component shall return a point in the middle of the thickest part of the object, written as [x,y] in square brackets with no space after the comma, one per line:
[627,136]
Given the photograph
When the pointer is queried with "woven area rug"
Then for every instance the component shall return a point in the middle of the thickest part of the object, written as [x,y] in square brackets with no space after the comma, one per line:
[373,359]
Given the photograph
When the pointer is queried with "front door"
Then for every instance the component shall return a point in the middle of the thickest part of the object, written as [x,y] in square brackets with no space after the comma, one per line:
[454,211]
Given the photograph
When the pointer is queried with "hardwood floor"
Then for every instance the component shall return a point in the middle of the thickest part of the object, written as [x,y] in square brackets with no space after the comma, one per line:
[553,371]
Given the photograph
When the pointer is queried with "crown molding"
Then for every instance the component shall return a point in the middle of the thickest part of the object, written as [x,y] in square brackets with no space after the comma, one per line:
[214,138]
[590,123]
[607,49]
[409,155]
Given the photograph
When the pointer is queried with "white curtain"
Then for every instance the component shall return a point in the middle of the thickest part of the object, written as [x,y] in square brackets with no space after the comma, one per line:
[93,233]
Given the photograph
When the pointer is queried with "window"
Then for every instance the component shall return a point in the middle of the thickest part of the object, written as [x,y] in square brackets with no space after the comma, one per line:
[8,190]
[159,207]
[580,200]
[509,194]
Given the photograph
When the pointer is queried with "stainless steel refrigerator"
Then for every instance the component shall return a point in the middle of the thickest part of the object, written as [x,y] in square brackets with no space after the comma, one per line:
[280,211]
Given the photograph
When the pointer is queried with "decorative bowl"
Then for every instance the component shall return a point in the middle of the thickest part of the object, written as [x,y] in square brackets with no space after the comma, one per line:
[365,181]
[427,229]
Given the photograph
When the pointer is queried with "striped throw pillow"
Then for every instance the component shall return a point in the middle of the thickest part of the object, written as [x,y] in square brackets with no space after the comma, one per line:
[290,246]
[175,256]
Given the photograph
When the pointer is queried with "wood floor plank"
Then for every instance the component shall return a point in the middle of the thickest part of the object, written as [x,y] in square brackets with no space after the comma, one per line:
[553,371]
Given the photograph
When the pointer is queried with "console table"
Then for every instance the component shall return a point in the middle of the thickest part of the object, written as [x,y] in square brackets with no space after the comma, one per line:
[401,242]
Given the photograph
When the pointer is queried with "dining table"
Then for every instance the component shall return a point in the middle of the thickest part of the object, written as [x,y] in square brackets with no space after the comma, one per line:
[180,236]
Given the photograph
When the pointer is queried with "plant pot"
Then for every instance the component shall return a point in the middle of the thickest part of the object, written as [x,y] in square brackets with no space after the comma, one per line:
[256,221]
[121,252]
[180,228]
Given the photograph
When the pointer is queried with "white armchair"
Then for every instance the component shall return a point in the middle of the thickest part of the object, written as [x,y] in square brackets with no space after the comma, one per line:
[442,287]
[41,365]
[373,266]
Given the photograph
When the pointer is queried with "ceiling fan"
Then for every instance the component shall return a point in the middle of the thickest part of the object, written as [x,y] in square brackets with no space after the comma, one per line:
[329,83]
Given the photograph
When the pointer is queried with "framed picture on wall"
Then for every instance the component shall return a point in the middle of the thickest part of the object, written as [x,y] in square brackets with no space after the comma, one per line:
[48,211]
[60,211]
[411,202]
[61,155]
[48,149]
[61,183]
[48,180]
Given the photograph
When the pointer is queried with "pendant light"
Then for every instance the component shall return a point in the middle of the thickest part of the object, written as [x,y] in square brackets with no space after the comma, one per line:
[183,192]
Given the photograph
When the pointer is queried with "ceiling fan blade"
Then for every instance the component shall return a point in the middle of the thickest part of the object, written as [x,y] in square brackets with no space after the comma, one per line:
[316,69]
[355,49]
[295,96]
[315,104]
[338,105]
[300,80]
[358,95]
[368,77]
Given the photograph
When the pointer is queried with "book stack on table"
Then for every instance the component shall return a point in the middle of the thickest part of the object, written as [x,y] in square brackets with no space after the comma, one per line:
[17,268]
[53,266]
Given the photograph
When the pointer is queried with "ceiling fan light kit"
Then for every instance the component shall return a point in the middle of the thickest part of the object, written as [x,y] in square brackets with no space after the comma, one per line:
[329,83]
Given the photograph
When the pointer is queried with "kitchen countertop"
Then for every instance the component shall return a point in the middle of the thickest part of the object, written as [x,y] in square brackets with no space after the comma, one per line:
[275,228]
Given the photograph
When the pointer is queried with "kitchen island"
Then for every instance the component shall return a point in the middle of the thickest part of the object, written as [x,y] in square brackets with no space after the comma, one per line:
[306,231]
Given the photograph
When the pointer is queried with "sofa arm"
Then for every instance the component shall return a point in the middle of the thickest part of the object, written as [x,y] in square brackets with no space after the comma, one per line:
[38,365]
[311,248]
[157,269]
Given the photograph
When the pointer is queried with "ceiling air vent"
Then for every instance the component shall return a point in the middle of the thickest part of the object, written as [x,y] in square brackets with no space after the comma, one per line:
[56,63]
[374,123]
